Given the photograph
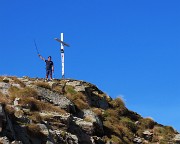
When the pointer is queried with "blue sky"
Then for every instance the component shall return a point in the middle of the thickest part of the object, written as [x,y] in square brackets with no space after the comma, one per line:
[127,48]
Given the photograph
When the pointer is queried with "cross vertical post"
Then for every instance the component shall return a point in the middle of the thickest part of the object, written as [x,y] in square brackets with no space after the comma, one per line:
[62,51]
[62,55]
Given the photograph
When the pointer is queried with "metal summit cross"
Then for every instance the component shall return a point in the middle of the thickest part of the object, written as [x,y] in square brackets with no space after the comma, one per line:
[62,52]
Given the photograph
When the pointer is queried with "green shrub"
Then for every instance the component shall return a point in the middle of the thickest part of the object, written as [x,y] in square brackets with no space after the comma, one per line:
[116,139]
[70,90]
[128,123]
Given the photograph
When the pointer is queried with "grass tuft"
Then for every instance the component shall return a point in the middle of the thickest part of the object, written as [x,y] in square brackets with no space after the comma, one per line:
[79,99]
[17,81]
[43,85]
[34,130]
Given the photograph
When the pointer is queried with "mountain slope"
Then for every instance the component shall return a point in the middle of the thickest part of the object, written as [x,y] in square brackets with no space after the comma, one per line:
[68,111]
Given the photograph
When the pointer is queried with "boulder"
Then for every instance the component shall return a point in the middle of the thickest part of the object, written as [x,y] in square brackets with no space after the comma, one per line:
[97,123]
[147,135]
[137,140]
[74,83]
[85,126]
[4,140]
[177,139]
[7,79]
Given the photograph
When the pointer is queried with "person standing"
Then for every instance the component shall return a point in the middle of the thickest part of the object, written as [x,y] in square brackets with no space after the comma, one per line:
[49,66]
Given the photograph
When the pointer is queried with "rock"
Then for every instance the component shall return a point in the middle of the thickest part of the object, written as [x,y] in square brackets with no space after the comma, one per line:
[52,84]
[43,129]
[2,116]
[19,113]
[16,101]
[4,140]
[86,126]
[67,138]
[79,88]
[16,85]
[74,83]
[177,139]
[96,140]
[49,142]
[137,140]
[97,123]
[25,77]
[137,123]
[55,98]
[7,80]
[147,135]
[16,142]
[4,87]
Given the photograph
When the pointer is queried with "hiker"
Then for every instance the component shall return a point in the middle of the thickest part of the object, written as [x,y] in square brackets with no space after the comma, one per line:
[49,66]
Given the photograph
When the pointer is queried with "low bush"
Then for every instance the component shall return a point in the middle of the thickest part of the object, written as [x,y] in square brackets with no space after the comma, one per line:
[129,124]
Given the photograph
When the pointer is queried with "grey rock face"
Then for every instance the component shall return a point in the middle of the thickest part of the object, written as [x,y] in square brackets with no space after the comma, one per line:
[55,98]
[147,135]
[4,140]
[177,139]
[4,87]
[97,123]
[137,140]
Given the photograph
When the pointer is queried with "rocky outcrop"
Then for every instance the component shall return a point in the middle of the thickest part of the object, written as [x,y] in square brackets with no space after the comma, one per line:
[55,98]
[52,113]
[177,139]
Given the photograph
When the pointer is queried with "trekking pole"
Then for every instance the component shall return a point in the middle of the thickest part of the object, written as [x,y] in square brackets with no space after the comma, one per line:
[36,47]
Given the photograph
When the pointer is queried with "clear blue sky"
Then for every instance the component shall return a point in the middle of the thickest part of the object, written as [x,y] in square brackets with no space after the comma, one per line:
[127,48]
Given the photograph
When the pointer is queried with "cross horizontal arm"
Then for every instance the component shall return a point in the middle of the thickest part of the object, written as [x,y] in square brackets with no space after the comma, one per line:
[65,44]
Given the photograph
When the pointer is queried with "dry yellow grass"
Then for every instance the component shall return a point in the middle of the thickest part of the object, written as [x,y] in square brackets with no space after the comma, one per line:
[58,89]
[34,130]
[79,100]
[97,111]
[36,105]
[17,81]
[1,78]
[43,85]
[26,92]
[4,98]
[35,117]
[117,103]
[9,109]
